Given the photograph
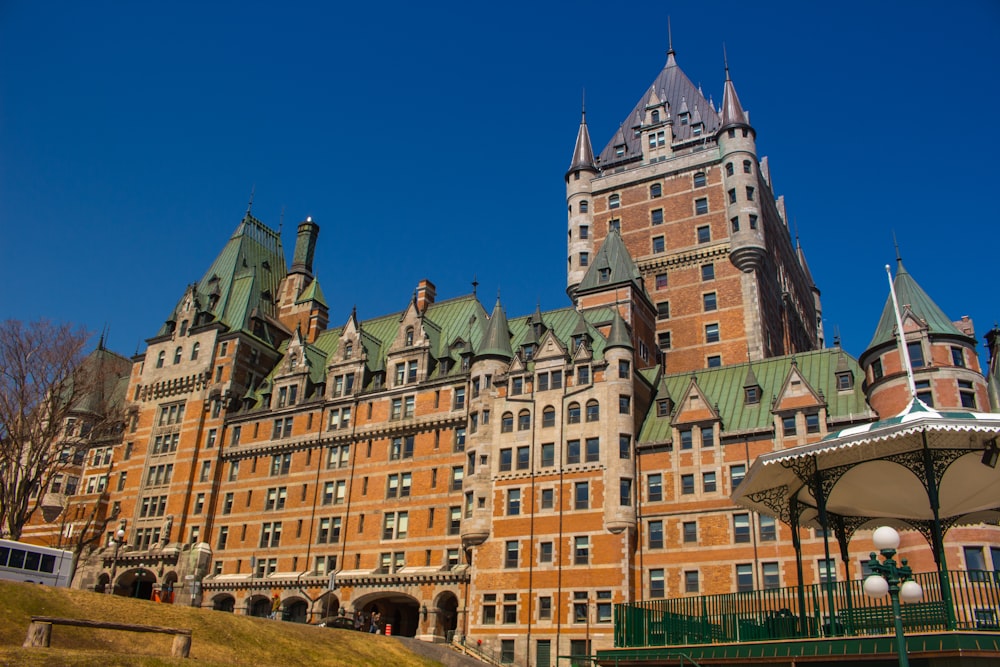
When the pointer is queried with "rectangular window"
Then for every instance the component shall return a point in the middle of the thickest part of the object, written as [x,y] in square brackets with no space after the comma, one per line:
[812,422]
[581,495]
[827,570]
[656,216]
[770,575]
[732,195]
[916,352]
[957,357]
[663,311]
[513,502]
[687,484]
[687,438]
[714,361]
[506,459]
[548,454]
[741,528]
[966,394]
[663,340]
[545,552]
[548,499]
[708,481]
[656,534]
[707,436]
[625,492]
[657,589]
[624,446]
[768,528]
[744,577]
[489,609]
[689,531]
[709,302]
[509,616]
[593,451]
[661,281]
[750,191]
[691,581]
[511,552]
[581,550]
[659,244]
[280,464]
[708,272]
[556,377]
[523,458]
[712,333]
[542,382]
[788,425]
[700,208]
[654,487]
[572,451]
[544,608]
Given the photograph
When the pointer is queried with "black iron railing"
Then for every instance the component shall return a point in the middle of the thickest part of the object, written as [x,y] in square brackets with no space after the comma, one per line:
[804,612]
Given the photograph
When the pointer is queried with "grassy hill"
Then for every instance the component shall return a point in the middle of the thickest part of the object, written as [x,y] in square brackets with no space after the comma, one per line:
[218,638]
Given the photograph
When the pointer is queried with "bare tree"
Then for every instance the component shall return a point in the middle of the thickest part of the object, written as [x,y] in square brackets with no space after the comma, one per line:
[45,380]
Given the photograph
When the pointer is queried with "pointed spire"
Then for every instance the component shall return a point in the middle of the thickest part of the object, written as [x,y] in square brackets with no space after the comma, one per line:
[496,341]
[612,266]
[670,46]
[913,298]
[619,336]
[583,151]
[732,110]
[253,188]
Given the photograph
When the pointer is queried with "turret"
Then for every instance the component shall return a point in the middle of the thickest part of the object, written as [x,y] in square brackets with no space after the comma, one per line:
[619,355]
[580,241]
[305,247]
[740,171]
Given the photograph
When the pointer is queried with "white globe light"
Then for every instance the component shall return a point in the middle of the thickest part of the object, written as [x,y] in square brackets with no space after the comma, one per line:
[885,537]
[910,591]
[876,586]
[120,534]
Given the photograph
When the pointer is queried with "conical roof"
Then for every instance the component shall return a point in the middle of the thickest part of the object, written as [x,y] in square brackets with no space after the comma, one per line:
[672,86]
[619,336]
[910,295]
[496,342]
[583,152]
[612,266]
[732,110]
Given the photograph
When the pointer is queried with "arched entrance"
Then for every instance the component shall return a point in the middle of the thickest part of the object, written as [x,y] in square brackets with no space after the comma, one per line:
[447,616]
[397,610]
[259,605]
[224,603]
[327,606]
[295,610]
[168,589]
[136,584]
[102,583]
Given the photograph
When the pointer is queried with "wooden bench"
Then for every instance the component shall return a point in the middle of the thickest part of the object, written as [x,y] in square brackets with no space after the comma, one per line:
[40,632]
[879,620]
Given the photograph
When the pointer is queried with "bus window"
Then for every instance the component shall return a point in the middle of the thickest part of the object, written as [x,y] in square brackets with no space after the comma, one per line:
[31,560]
[16,559]
[48,563]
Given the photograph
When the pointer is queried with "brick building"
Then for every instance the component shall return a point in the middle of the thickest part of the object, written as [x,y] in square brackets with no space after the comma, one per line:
[508,479]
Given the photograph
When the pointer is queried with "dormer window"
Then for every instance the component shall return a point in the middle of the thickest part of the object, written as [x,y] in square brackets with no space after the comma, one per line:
[655,116]
[604,276]
[409,336]
[529,352]
[348,350]
[751,395]
[663,407]
[684,118]
[287,395]
[845,381]
[696,129]
[619,150]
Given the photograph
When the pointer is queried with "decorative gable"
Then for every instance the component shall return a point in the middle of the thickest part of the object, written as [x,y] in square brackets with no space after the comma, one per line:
[796,393]
[695,406]
[550,347]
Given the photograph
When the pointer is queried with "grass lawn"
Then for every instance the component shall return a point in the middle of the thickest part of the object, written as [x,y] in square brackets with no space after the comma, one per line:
[218,638]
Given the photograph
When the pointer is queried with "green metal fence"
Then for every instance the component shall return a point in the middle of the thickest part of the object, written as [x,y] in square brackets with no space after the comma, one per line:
[802,612]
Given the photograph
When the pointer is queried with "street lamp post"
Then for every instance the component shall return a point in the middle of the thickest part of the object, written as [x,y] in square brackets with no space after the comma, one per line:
[117,539]
[896,580]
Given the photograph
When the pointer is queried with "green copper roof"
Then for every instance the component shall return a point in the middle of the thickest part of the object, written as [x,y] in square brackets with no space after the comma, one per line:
[497,342]
[244,278]
[312,293]
[910,295]
[723,387]
[619,336]
[611,266]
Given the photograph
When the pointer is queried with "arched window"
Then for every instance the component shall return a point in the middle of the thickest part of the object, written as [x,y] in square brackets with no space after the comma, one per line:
[348,350]
[194,351]
[507,422]
[409,336]
[184,327]
[177,356]
[573,413]
[523,420]
[593,411]
[160,359]
[614,201]
[548,416]
[584,206]
[655,190]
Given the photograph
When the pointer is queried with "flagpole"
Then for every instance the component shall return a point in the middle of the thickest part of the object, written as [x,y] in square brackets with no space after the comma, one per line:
[901,340]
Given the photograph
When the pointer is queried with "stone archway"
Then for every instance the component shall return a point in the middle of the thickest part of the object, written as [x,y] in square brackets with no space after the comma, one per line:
[446,612]
[398,611]
[259,606]
[294,610]
[137,583]
[103,581]
[224,602]
[327,606]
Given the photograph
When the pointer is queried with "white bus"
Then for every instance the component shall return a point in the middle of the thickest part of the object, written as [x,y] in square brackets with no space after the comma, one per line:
[35,564]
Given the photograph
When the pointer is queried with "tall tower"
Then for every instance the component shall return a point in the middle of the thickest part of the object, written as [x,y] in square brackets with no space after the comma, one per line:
[580,241]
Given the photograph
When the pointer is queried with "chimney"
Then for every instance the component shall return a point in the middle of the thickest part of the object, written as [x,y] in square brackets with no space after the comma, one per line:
[305,247]
[425,294]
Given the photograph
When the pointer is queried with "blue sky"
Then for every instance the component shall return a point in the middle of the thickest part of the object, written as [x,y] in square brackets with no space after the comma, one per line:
[430,141]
